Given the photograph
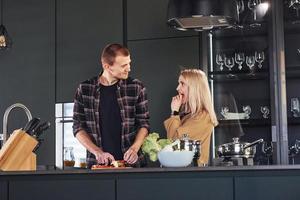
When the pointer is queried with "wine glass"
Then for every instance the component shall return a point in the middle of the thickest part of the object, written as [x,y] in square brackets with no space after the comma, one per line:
[295,4]
[267,149]
[295,107]
[250,61]
[229,63]
[265,111]
[252,4]
[240,7]
[220,60]
[239,59]
[294,150]
[259,57]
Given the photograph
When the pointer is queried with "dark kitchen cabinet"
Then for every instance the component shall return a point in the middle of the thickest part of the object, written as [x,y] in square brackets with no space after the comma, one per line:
[36,189]
[244,72]
[3,190]
[83,30]
[291,26]
[157,64]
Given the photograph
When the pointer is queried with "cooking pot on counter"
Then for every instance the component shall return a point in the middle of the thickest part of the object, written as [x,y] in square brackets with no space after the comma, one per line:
[238,149]
[185,143]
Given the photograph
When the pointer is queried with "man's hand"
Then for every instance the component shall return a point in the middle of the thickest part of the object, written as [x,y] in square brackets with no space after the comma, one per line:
[104,157]
[131,156]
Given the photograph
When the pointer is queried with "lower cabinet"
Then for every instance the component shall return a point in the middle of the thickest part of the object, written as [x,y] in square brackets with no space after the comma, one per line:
[175,188]
[3,190]
[62,190]
[262,188]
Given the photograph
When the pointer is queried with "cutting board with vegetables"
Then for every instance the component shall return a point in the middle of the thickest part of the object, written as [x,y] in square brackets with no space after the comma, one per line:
[16,153]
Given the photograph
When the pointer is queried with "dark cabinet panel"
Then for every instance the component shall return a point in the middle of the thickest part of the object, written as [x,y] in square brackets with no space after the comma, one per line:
[157,63]
[62,189]
[261,188]
[148,19]
[3,190]
[27,69]
[175,188]
[83,30]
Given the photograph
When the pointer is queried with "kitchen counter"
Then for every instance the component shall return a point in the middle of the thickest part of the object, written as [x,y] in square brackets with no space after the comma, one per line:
[236,182]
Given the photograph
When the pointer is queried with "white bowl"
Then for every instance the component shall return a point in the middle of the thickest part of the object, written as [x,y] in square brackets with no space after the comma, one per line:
[175,158]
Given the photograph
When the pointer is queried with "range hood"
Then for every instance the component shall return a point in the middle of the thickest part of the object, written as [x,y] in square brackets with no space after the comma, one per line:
[201,14]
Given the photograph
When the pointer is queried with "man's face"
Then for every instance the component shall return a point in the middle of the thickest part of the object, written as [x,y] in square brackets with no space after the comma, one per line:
[121,67]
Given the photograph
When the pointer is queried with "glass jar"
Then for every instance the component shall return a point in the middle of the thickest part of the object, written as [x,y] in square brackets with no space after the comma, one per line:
[69,159]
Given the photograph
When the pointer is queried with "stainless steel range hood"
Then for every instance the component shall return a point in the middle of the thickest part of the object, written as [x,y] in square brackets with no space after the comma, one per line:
[201,14]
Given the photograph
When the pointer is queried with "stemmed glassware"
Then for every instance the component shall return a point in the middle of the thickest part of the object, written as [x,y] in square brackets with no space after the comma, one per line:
[267,149]
[295,107]
[295,4]
[229,63]
[239,59]
[259,57]
[240,8]
[294,150]
[265,111]
[252,5]
[250,61]
[220,60]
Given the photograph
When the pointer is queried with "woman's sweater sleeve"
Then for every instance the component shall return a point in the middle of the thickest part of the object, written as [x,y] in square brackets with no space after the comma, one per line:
[171,126]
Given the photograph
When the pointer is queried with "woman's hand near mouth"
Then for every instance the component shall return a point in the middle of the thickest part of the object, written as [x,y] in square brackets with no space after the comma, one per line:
[176,102]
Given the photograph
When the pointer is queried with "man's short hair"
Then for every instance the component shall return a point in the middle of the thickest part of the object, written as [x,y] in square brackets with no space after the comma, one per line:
[111,51]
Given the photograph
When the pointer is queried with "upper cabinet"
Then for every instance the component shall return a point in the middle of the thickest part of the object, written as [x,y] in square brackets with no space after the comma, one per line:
[244,81]
[83,30]
[291,21]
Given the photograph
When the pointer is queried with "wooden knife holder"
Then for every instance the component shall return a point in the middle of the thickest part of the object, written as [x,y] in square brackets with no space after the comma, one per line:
[16,154]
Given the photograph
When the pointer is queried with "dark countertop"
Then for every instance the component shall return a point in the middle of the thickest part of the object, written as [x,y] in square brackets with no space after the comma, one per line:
[155,170]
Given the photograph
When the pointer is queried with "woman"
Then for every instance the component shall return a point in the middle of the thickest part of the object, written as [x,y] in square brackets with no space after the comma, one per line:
[192,111]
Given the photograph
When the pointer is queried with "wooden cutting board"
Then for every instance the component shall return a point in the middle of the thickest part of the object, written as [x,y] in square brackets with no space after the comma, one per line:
[16,153]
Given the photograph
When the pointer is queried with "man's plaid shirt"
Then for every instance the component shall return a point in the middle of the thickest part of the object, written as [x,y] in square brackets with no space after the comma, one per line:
[133,103]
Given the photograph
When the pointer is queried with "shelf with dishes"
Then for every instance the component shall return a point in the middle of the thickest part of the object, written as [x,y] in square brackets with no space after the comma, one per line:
[244,122]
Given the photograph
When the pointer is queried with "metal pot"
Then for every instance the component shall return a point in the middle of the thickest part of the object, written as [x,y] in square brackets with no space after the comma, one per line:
[190,145]
[238,149]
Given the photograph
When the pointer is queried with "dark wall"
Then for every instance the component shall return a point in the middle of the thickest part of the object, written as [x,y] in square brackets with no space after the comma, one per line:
[56,45]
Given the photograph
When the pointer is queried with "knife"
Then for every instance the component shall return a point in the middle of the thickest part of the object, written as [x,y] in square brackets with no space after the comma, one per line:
[31,125]
[40,129]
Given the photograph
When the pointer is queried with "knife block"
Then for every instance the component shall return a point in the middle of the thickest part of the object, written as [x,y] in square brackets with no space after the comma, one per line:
[16,154]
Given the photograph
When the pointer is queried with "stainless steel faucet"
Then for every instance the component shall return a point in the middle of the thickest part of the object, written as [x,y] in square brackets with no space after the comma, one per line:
[5,118]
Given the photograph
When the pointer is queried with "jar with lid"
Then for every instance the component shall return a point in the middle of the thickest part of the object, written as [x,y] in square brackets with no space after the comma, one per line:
[69,159]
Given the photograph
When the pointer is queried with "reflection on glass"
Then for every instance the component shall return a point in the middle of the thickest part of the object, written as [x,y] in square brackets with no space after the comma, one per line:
[294,150]
[295,4]
[240,8]
[252,4]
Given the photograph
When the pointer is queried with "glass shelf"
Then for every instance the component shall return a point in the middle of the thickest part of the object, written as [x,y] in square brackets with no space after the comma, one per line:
[238,75]
[245,122]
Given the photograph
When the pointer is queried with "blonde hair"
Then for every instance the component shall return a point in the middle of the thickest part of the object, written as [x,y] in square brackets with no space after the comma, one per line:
[199,96]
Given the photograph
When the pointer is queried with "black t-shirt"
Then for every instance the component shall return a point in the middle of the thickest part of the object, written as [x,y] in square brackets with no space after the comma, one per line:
[110,121]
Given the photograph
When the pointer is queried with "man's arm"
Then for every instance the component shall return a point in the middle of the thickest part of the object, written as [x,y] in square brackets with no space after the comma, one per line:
[131,155]
[101,156]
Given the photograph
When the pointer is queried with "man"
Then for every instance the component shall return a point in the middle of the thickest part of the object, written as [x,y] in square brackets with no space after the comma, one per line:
[111,117]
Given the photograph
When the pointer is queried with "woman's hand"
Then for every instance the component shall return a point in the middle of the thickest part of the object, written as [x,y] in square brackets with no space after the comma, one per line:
[176,103]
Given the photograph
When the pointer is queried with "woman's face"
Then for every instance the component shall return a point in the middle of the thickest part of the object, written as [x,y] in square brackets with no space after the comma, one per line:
[182,89]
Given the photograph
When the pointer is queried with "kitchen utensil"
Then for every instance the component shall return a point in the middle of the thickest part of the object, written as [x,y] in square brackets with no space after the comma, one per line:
[31,125]
[175,158]
[190,145]
[238,149]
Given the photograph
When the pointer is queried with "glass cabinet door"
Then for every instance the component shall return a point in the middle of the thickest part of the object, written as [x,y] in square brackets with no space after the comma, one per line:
[239,75]
[291,19]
